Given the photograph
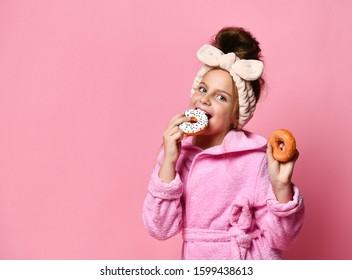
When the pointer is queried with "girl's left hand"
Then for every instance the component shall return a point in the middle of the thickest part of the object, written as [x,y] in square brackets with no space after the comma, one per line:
[280,175]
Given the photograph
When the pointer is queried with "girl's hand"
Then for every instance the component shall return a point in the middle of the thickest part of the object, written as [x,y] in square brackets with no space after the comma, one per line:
[280,175]
[172,147]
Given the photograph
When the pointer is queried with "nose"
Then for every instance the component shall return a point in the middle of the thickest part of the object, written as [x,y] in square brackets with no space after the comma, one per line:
[205,99]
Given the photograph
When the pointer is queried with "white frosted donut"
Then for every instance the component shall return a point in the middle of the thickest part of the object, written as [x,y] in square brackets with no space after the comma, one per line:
[198,122]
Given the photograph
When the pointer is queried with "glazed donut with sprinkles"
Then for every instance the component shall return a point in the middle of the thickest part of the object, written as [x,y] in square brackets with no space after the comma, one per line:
[198,122]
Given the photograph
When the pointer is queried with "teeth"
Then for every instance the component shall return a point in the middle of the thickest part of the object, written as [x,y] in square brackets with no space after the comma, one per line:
[208,115]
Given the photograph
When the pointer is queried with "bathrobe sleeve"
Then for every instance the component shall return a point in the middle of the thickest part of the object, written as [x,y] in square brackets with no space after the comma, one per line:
[162,210]
[279,223]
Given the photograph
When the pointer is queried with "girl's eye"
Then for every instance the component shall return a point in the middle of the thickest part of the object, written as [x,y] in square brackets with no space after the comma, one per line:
[202,89]
[221,98]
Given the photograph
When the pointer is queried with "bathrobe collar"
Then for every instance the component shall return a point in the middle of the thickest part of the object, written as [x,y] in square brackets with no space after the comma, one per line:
[234,141]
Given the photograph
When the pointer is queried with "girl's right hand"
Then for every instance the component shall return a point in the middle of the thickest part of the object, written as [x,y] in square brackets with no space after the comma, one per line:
[172,138]
[172,147]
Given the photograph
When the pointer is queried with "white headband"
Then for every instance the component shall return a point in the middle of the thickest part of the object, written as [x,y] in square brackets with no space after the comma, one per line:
[242,71]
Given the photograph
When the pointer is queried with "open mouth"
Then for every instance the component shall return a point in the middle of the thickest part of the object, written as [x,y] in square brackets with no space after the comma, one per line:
[206,113]
[208,116]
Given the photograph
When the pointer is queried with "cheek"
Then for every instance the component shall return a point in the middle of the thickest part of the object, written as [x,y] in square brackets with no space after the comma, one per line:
[234,116]
[225,113]
[231,115]
[192,100]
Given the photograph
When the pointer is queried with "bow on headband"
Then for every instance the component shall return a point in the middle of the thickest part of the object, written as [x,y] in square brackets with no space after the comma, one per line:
[242,71]
[247,69]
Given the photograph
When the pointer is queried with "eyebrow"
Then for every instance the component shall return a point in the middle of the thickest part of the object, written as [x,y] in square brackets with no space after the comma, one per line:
[230,95]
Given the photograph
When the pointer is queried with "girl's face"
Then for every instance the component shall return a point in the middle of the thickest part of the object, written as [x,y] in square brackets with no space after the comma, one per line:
[217,96]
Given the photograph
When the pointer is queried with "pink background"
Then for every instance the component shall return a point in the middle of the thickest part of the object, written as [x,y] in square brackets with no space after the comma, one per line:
[87,88]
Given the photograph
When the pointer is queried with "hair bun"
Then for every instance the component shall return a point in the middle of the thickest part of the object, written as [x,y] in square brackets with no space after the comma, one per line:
[239,41]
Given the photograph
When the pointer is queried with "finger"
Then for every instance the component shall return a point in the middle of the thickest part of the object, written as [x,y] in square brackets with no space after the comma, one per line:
[269,152]
[176,136]
[179,120]
[296,155]
[294,158]
[175,130]
[175,122]
[176,117]
[174,133]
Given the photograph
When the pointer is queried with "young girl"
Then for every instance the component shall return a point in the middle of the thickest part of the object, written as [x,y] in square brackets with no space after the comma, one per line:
[223,189]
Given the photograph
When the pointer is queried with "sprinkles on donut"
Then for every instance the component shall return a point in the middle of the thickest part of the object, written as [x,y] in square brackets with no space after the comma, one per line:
[198,122]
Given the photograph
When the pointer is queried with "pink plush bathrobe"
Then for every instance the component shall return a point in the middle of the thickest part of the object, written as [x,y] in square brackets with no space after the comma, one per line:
[223,202]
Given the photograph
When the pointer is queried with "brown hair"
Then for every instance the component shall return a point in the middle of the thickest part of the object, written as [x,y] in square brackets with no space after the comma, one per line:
[244,45]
